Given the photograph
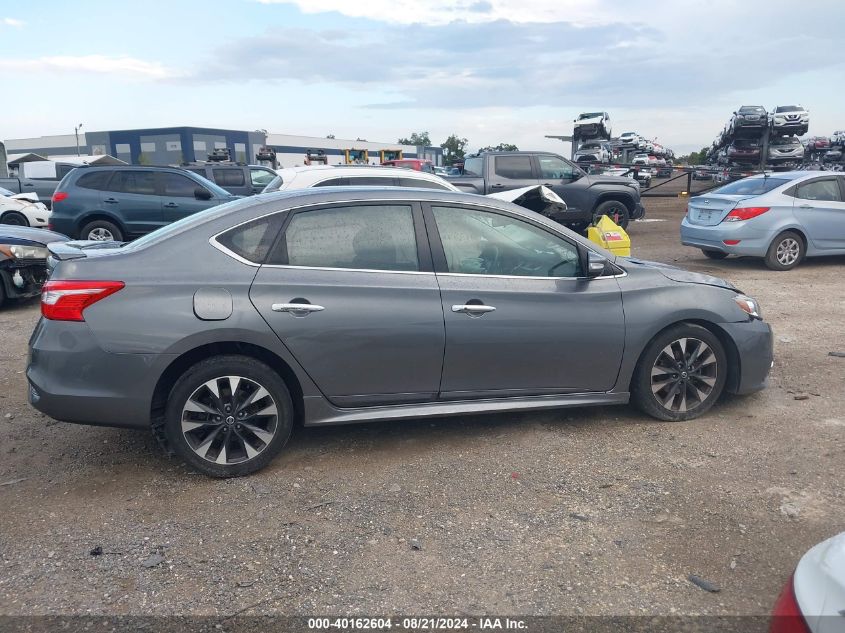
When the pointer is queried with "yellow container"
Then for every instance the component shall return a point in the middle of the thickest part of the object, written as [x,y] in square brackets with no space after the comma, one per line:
[607,234]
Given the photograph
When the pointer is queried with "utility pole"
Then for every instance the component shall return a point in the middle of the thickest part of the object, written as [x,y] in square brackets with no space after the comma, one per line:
[76,133]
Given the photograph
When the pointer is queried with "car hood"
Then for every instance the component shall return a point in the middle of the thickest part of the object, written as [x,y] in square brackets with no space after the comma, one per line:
[680,275]
[38,236]
[591,120]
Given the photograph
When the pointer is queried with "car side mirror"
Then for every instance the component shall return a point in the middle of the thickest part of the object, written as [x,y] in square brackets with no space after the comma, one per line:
[596,264]
[201,193]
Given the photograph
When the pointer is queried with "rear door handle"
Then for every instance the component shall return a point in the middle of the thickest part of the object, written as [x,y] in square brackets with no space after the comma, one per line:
[497,185]
[111,200]
[297,309]
[171,205]
[805,206]
[473,309]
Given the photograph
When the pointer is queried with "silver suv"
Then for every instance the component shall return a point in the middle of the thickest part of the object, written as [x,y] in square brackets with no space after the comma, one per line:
[786,148]
[790,119]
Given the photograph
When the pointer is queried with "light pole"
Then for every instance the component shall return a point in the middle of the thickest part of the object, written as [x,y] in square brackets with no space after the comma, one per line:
[76,133]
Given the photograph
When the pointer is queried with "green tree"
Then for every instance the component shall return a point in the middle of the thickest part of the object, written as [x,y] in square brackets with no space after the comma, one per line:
[501,147]
[143,159]
[454,149]
[329,135]
[416,138]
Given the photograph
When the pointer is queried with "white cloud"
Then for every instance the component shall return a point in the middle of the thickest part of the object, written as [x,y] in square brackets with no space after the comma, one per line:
[18,24]
[128,67]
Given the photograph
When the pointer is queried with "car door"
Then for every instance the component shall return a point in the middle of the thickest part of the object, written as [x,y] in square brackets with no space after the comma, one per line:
[179,197]
[566,179]
[521,318]
[132,198]
[510,171]
[819,206]
[349,289]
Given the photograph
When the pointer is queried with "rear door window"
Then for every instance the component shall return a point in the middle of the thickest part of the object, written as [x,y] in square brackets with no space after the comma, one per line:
[229,177]
[513,167]
[823,190]
[137,182]
[261,177]
[253,240]
[369,237]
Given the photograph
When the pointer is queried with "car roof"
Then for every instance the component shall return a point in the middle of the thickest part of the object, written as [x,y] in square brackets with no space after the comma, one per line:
[291,176]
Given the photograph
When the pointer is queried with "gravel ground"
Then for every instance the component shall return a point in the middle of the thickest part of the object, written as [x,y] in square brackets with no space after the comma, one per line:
[580,511]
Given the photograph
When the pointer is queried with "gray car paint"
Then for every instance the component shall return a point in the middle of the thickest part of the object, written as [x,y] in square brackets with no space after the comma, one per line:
[106,370]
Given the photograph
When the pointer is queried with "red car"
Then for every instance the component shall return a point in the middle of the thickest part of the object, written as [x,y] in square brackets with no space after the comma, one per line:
[817,143]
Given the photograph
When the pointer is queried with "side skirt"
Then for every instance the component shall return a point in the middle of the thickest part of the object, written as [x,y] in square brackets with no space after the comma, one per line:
[319,412]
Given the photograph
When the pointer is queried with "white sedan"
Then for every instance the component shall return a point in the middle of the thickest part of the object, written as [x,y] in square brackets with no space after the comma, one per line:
[813,600]
[20,210]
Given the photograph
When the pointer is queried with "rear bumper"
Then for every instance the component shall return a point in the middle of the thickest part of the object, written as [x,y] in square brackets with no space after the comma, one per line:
[72,379]
[753,340]
[751,242]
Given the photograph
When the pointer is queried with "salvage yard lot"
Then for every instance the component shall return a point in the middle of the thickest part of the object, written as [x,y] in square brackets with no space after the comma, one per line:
[580,511]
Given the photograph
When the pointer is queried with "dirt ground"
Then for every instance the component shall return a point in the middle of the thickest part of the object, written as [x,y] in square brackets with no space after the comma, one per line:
[580,511]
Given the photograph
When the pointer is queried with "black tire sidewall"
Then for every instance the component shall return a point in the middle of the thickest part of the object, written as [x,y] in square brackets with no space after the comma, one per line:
[221,366]
[771,254]
[117,234]
[15,214]
[624,215]
[641,393]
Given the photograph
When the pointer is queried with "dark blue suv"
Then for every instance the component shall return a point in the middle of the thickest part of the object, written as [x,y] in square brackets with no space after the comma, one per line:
[119,203]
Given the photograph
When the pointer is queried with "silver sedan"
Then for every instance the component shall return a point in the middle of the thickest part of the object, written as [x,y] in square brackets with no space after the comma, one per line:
[781,217]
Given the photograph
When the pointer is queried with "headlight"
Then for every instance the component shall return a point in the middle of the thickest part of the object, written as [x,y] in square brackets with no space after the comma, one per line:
[18,251]
[748,305]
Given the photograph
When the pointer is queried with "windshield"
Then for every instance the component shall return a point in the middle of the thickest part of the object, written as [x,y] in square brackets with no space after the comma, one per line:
[751,186]
[789,109]
[589,115]
[751,109]
[216,189]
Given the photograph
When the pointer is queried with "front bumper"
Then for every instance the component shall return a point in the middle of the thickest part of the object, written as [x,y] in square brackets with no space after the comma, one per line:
[71,378]
[22,279]
[639,211]
[752,242]
[753,341]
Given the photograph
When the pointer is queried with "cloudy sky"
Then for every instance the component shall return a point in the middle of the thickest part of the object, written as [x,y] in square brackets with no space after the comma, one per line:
[489,70]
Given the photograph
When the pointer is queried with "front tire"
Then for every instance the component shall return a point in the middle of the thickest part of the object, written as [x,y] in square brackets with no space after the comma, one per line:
[616,211]
[680,374]
[714,254]
[228,416]
[13,218]
[786,251]
[101,231]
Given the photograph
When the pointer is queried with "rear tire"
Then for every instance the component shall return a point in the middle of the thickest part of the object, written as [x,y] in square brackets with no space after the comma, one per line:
[616,211]
[101,231]
[13,218]
[786,251]
[228,416]
[680,374]
[714,254]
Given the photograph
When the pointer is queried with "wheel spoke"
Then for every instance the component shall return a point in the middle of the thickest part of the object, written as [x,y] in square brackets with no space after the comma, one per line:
[193,425]
[199,407]
[205,446]
[247,447]
[255,396]
[221,456]
[264,436]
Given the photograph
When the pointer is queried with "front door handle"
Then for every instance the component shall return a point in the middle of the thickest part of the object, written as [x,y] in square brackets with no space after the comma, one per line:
[805,206]
[473,309]
[297,309]
[110,201]
[497,185]
[171,205]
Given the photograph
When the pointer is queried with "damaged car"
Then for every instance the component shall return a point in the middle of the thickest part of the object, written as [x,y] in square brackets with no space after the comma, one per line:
[22,209]
[23,260]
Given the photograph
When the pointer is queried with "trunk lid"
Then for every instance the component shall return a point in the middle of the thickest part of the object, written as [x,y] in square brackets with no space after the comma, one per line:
[711,210]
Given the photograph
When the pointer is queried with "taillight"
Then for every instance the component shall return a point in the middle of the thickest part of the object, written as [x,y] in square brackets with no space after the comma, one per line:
[745,213]
[66,300]
[786,614]
[59,196]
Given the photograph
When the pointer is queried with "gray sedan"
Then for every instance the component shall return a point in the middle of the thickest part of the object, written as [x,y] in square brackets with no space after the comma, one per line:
[781,217]
[339,305]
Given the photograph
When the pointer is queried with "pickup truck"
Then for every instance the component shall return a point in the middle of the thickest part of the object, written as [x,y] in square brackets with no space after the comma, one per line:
[586,196]
[40,177]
